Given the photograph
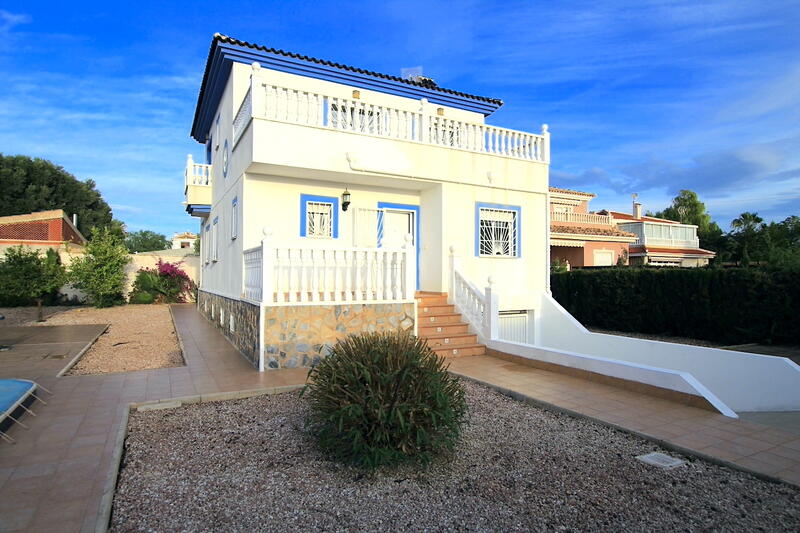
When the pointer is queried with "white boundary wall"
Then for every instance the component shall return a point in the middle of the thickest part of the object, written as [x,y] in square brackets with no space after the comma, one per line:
[731,381]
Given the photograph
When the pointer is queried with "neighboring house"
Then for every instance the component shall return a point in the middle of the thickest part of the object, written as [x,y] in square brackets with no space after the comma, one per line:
[183,240]
[583,238]
[41,230]
[330,195]
[661,242]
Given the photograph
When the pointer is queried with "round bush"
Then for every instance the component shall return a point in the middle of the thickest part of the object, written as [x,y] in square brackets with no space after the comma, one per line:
[384,398]
[142,298]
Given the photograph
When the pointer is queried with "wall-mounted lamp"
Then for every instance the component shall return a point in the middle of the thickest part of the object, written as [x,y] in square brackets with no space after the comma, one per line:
[356,94]
[345,199]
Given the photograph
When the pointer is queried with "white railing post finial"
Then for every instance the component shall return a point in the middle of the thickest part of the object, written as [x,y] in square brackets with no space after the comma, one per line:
[257,93]
[267,267]
[410,263]
[491,311]
[546,134]
[453,267]
[424,126]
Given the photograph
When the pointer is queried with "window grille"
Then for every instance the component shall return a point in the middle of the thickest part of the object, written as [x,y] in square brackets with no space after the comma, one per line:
[319,219]
[498,232]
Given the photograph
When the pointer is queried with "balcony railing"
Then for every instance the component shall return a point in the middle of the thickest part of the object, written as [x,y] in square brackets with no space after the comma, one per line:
[292,275]
[420,122]
[196,173]
[583,218]
[639,229]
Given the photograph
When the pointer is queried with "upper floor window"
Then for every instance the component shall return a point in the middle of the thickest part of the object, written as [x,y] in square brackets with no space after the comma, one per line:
[319,216]
[497,230]
[215,240]
[216,134]
[206,244]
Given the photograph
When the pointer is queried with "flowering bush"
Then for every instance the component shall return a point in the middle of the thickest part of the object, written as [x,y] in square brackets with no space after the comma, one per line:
[166,283]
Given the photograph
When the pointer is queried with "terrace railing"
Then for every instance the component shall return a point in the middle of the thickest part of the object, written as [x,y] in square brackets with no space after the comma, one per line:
[419,122]
[196,173]
[582,218]
[291,275]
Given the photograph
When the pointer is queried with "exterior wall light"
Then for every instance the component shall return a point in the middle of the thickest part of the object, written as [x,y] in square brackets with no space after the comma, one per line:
[356,94]
[440,111]
[345,200]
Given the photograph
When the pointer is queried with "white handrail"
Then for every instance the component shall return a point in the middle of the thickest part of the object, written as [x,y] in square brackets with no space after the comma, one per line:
[253,273]
[481,309]
[196,173]
[355,115]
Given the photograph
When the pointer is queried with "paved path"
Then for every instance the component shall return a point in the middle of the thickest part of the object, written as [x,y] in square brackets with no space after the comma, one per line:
[53,478]
[763,449]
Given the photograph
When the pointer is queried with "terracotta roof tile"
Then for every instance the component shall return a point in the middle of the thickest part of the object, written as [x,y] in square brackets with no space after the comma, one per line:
[427,83]
[571,191]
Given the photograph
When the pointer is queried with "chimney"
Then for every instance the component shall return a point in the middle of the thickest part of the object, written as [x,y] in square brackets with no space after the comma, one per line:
[637,210]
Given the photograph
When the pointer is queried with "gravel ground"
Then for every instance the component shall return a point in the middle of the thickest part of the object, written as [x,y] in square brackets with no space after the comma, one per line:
[23,316]
[248,465]
[662,338]
[139,337]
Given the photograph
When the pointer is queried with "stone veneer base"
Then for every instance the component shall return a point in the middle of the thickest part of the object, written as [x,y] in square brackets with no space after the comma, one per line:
[302,335]
[244,334]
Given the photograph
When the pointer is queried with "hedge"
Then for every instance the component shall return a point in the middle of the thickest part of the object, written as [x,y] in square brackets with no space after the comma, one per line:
[729,306]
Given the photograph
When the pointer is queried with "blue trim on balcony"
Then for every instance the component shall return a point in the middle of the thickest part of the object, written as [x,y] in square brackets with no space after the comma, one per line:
[225,50]
[305,198]
[201,210]
[417,237]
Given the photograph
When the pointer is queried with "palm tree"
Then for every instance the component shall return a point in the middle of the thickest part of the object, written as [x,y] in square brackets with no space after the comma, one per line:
[747,222]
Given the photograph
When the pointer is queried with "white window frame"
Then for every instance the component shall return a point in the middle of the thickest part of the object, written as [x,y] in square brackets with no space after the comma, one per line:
[508,236]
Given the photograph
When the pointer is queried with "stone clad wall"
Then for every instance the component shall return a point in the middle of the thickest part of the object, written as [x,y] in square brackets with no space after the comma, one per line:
[245,321]
[301,335]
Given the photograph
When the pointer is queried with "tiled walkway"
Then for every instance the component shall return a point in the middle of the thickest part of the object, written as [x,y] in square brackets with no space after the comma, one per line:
[750,445]
[53,478]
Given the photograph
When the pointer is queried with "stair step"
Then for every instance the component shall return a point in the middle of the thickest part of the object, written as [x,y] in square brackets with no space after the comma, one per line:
[431,300]
[439,318]
[435,309]
[451,340]
[425,294]
[423,330]
[461,351]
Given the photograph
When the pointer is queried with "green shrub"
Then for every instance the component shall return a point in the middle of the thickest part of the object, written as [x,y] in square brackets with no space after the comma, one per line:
[730,306]
[166,283]
[141,298]
[384,398]
[27,277]
[100,273]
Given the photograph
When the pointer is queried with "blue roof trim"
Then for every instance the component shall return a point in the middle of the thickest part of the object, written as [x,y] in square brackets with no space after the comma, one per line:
[199,209]
[224,51]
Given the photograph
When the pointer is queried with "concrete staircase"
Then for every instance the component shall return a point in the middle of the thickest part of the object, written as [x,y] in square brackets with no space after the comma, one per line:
[441,324]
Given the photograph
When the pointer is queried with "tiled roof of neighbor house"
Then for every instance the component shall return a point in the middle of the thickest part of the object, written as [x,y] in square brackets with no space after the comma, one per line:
[578,230]
[628,216]
[225,49]
[654,250]
[571,191]
[42,226]
[185,235]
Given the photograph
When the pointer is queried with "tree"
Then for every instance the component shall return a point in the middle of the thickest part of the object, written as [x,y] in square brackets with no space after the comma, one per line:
[687,208]
[751,240]
[33,184]
[145,241]
[100,273]
[26,276]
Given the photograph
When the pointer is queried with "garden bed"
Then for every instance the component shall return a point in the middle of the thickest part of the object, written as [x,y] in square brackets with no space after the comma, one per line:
[139,337]
[249,465]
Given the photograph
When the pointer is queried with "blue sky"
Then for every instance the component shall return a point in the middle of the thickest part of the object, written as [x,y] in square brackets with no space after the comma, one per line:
[642,96]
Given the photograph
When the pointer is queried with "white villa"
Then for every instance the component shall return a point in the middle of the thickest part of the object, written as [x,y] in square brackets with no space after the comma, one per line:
[334,200]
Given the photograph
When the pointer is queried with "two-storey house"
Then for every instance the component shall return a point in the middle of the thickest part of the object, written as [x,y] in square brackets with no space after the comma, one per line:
[659,241]
[583,238]
[334,200]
